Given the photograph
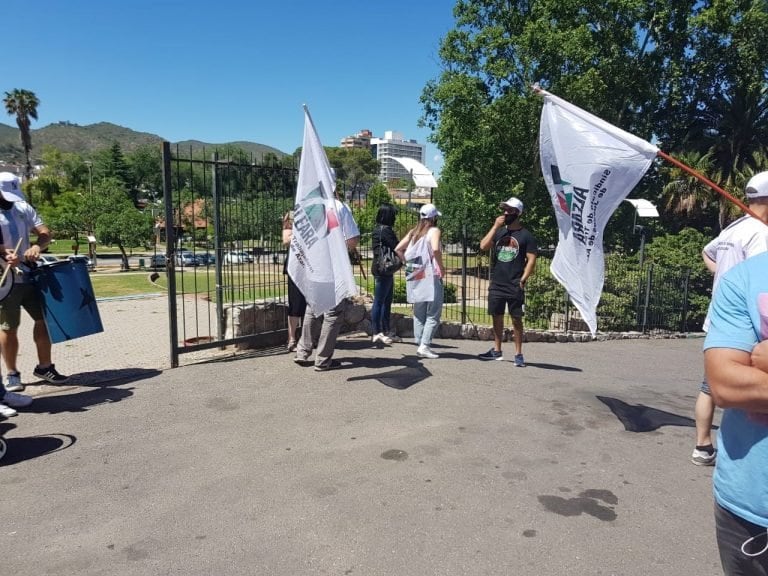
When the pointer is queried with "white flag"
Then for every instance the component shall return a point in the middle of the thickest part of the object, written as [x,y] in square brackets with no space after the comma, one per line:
[589,167]
[318,263]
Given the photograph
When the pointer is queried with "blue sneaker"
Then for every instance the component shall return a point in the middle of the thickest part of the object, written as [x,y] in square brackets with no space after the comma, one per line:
[519,361]
[492,354]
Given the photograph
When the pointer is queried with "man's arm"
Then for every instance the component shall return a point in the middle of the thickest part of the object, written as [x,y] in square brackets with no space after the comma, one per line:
[708,262]
[734,381]
[487,242]
[530,265]
[352,243]
[43,240]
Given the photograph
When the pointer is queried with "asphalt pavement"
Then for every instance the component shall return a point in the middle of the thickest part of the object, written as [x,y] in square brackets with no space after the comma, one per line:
[242,464]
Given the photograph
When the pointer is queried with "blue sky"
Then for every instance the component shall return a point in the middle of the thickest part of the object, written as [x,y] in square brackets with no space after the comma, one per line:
[229,70]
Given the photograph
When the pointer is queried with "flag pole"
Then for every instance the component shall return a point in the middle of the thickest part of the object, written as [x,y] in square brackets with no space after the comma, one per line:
[708,182]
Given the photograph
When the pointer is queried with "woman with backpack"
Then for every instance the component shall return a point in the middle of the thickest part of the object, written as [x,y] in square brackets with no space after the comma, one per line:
[383,242]
[421,249]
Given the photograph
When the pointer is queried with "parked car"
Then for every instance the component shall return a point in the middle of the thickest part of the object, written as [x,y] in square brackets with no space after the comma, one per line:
[157,261]
[206,258]
[237,258]
[185,259]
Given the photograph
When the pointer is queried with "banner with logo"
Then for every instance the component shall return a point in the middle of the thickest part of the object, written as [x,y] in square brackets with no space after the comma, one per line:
[318,261]
[589,167]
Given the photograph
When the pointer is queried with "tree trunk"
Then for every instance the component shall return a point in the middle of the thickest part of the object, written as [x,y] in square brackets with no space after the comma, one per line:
[124,258]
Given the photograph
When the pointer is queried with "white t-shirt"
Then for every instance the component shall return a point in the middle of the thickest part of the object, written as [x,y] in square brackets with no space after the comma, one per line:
[742,239]
[347,221]
[18,222]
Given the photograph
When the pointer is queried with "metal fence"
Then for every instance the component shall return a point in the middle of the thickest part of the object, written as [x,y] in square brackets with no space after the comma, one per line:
[645,298]
[223,252]
[223,244]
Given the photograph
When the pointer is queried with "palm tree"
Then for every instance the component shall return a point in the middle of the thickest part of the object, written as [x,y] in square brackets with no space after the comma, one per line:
[23,103]
[686,195]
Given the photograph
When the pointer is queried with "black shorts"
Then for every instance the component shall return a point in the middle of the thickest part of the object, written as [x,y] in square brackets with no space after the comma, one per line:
[297,304]
[514,301]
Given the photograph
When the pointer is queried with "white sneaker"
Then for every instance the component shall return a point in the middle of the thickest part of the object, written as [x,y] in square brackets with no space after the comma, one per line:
[386,339]
[377,338]
[14,382]
[7,411]
[425,352]
[16,400]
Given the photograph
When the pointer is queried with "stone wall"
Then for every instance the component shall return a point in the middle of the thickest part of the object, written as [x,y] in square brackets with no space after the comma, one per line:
[258,318]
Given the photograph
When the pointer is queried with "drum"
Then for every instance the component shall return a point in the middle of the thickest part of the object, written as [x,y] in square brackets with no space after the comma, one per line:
[69,304]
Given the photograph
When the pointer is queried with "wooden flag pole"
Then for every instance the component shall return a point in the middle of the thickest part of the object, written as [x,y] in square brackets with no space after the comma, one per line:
[8,267]
[708,182]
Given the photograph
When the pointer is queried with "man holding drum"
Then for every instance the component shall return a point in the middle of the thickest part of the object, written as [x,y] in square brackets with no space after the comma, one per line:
[17,220]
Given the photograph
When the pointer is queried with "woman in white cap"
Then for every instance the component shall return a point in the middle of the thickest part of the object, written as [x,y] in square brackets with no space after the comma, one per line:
[421,249]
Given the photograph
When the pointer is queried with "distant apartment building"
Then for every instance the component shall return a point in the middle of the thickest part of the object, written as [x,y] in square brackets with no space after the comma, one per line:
[360,140]
[394,145]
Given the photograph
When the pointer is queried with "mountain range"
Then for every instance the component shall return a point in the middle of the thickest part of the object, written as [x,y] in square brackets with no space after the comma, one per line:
[68,137]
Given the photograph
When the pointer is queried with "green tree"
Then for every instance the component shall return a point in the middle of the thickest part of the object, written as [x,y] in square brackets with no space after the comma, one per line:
[145,167]
[638,65]
[23,104]
[68,217]
[110,163]
[119,222]
[356,170]
[365,215]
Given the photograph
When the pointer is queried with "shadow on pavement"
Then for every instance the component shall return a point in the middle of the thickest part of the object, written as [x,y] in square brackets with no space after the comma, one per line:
[560,367]
[21,449]
[77,401]
[114,377]
[411,371]
[640,418]
[234,355]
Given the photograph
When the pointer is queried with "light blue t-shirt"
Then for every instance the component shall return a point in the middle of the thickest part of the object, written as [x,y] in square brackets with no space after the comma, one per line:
[739,320]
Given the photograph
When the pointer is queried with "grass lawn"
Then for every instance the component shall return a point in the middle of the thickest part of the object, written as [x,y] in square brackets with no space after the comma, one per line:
[122,284]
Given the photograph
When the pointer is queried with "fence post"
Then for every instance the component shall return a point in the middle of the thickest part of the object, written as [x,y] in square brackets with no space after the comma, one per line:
[684,319]
[170,251]
[216,198]
[566,311]
[648,283]
[464,273]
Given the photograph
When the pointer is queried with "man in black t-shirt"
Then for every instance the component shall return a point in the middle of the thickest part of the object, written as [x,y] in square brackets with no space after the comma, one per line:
[513,257]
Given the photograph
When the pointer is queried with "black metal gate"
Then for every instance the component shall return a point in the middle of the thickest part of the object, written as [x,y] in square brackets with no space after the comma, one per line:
[223,253]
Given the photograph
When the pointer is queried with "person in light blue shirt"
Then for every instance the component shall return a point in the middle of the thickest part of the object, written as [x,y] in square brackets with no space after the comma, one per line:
[736,363]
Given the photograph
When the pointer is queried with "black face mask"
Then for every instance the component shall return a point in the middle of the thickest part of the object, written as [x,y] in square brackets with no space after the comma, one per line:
[510,218]
[5,204]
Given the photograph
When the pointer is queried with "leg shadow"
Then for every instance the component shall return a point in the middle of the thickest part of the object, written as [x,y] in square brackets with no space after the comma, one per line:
[21,449]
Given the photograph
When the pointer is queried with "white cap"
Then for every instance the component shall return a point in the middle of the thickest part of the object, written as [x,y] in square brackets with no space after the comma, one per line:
[512,203]
[10,186]
[429,211]
[757,187]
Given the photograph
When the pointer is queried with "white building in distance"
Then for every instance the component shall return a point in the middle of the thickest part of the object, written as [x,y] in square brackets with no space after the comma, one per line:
[394,145]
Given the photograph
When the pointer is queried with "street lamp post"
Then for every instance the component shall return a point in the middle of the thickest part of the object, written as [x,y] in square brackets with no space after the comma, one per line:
[89,164]
[644,209]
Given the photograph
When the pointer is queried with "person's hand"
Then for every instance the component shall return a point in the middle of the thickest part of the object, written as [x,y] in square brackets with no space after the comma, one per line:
[499,222]
[12,258]
[32,253]
[522,282]
[760,356]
